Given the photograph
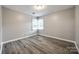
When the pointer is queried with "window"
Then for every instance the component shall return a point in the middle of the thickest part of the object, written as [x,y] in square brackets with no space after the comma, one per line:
[37,24]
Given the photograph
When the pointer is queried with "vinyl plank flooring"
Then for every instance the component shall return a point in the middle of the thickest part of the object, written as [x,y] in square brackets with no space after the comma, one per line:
[39,45]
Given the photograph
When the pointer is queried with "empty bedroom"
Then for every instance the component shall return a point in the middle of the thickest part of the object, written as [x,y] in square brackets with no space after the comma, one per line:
[39,29]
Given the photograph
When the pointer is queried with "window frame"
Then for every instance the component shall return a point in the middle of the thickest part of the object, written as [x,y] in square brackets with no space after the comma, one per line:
[38,25]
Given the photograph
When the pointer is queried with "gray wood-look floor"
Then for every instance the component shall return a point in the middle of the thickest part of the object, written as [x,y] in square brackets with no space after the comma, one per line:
[39,45]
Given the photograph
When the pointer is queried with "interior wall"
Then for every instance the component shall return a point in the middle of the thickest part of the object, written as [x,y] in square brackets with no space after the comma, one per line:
[0,27]
[77,25]
[15,24]
[60,24]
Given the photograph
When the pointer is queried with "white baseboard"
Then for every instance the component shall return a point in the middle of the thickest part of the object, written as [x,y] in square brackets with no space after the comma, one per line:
[45,36]
[57,38]
[76,46]
[62,40]
[17,39]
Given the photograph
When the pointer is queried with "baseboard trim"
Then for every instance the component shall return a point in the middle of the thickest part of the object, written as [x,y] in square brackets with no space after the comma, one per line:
[58,38]
[45,36]
[17,39]
[76,46]
[63,40]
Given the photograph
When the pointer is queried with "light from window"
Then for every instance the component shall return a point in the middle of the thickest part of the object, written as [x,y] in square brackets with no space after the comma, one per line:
[37,24]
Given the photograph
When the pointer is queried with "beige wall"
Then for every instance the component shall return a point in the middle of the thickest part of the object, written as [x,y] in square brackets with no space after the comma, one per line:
[15,24]
[60,24]
[0,27]
[77,25]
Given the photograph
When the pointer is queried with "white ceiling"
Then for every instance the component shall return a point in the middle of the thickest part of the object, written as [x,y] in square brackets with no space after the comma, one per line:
[28,9]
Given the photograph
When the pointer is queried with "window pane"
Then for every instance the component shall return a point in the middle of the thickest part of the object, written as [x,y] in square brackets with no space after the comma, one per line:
[37,24]
[40,24]
[34,24]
